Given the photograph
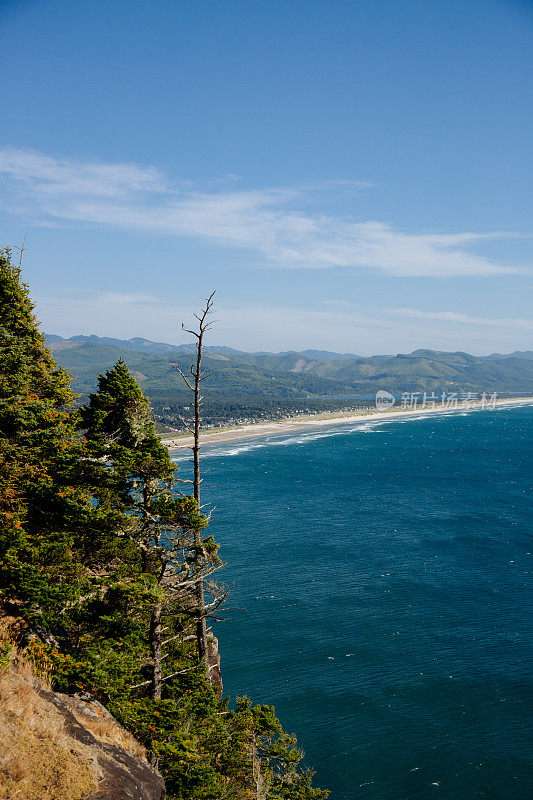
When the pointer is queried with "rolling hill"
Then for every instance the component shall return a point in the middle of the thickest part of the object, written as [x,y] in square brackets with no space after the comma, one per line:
[255,383]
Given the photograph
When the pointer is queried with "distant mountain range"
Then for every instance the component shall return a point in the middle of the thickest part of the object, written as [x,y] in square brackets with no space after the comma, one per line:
[305,374]
[527,354]
[140,345]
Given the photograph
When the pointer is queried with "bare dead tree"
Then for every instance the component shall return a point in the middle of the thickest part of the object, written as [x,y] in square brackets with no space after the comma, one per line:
[179,558]
[193,380]
[21,250]
[170,556]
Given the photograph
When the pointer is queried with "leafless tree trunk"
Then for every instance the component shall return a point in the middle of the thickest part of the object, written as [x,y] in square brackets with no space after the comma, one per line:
[155,646]
[197,375]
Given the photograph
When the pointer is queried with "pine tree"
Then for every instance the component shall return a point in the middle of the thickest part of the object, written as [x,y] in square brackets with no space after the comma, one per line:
[38,456]
[119,414]
[99,558]
[33,391]
[137,475]
[58,547]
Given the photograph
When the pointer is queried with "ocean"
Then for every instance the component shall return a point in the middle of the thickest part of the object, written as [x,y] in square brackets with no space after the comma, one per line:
[381,599]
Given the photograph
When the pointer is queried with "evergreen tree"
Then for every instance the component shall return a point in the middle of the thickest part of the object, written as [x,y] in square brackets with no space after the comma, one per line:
[32,393]
[204,749]
[43,508]
[137,475]
[99,557]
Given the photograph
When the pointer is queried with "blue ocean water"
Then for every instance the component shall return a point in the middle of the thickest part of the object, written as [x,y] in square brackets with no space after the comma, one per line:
[382,599]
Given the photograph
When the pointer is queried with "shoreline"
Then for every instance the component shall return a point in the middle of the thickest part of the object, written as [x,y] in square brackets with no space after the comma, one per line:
[259,430]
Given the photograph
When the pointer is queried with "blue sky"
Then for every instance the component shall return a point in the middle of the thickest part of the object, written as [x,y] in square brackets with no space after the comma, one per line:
[352,175]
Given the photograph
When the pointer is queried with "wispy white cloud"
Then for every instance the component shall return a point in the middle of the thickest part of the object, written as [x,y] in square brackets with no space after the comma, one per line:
[40,174]
[267,222]
[515,323]
[115,298]
[342,329]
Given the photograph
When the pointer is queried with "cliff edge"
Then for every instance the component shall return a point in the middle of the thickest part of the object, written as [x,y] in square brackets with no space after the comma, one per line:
[66,748]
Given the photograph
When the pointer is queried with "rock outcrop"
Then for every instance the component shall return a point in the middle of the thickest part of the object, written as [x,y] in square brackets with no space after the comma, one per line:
[66,748]
[124,771]
[213,662]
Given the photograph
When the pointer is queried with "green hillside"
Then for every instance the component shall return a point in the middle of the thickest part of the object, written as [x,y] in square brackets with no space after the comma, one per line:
[267,384]
[235,374]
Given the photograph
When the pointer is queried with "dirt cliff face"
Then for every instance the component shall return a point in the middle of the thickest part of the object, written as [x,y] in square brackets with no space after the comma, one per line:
[124,773]
[66,748]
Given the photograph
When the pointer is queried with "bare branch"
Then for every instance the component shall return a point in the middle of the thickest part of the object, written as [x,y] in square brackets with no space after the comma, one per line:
[180,672]
[138,685]
[193,333]
[177,366]
[186,424]
[202,568]
[178,636]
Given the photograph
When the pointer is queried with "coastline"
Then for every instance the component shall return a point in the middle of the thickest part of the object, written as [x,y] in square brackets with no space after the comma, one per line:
[261,429]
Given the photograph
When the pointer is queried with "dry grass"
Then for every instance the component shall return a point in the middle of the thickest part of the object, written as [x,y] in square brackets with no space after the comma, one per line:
[38,760]
[103,727]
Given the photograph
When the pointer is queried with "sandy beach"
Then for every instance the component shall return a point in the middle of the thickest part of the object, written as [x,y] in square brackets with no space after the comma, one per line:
[288,426]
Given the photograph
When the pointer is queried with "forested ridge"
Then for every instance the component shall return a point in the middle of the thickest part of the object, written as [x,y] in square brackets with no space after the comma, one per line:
[289,375]
[102,552]
[268,386]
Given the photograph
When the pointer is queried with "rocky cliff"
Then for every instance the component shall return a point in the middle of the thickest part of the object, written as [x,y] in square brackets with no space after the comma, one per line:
[66,748]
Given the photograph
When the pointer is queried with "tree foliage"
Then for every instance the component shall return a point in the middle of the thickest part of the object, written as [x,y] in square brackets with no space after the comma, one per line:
[43,507]
[99,554]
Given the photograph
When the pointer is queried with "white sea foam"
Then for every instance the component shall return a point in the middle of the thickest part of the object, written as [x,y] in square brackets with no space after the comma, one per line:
[216,451]
[305,437]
